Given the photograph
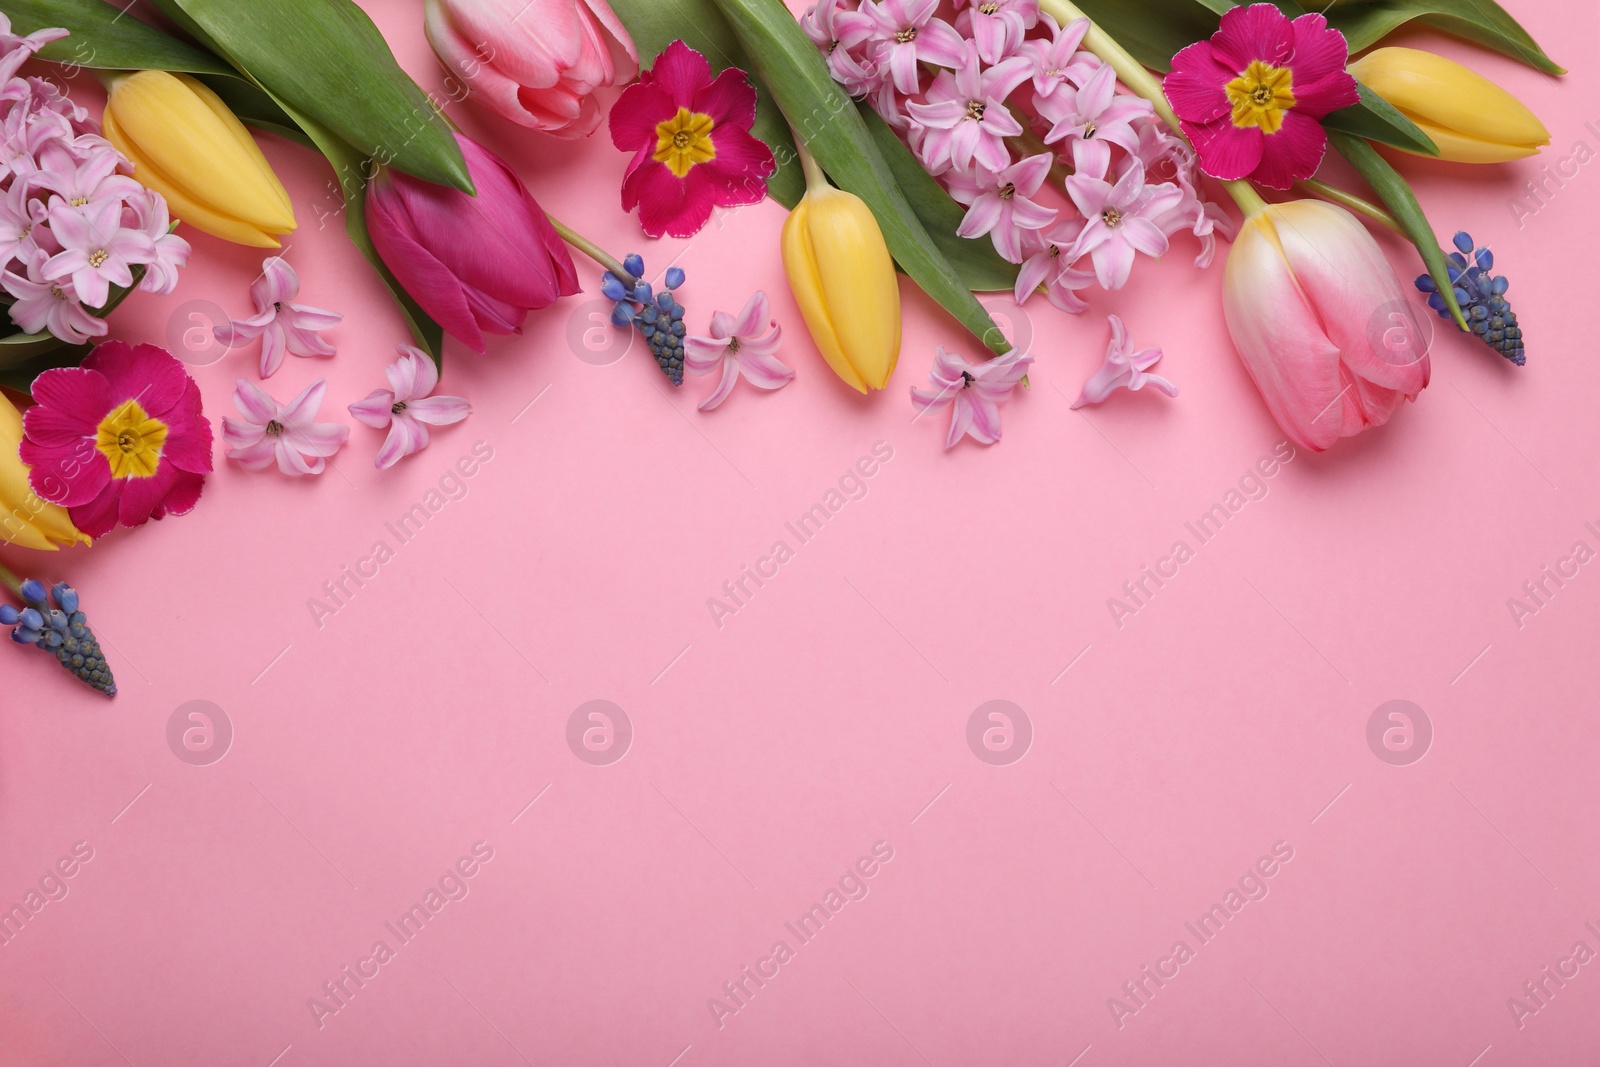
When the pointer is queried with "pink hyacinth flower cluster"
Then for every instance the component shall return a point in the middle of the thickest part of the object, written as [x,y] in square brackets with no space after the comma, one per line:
[72,222]
[1109,182]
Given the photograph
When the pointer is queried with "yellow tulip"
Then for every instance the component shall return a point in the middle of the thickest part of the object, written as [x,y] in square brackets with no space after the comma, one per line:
[842,276]
[1469,117]
[185,144]
[25,520]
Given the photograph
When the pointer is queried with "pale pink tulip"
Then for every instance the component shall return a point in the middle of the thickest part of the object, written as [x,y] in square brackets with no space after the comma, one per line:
[1322,323]
[535,62]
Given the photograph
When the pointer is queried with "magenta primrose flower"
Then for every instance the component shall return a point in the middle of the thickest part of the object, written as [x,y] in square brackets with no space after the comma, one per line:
[118,440]
[407,408]
[747,345]
[1251,98]
[281,325]
[288,434]
[691,143]
[975,391]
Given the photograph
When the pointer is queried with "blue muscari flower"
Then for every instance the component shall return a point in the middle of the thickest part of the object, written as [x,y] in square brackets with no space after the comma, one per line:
[657,316]
[62,630]
[1482,297]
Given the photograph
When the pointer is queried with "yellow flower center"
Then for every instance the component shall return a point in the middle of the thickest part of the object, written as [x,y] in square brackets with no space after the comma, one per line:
[1261,95]
[98,257]
[684,140]
[131,440]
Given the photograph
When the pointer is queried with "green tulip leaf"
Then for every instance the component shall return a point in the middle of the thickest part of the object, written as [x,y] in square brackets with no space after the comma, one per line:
[351,169]
[105,37]
[977,263]
[653,25]
[20,376]
[1378,120]
[1397,194]
[1366,22]
[796,74]
[326,61]
[253,107]
[1154,31]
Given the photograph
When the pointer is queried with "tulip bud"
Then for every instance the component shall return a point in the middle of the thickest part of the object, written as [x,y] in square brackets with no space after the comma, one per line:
[1321,322]
[185,144]
[842,276]
[535,62]
[478,264]
[1469,117]
[25,520]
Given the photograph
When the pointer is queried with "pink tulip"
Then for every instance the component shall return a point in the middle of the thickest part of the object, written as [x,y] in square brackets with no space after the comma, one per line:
[1322,323]
[535,62]
[479,264]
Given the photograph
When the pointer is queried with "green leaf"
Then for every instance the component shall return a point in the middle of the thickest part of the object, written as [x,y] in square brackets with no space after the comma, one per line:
[1378,120]
[325,60]
[350,167]
[797,76]
[977,263]
[1154,31]
[1366,22]
[104,37]
[654,24]
[20,376]
[23,349]
[1397,194]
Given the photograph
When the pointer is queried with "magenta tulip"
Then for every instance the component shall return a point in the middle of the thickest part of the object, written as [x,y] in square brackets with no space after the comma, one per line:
[1322,323]
[535,62]
[479,264]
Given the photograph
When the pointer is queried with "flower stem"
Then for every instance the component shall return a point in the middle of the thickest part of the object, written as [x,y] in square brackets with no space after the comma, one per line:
[1353,202]
[10,580]
[1133,74]
[590,249]
[815,179]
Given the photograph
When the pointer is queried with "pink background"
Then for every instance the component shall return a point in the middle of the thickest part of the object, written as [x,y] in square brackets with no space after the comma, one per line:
[1168,755]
